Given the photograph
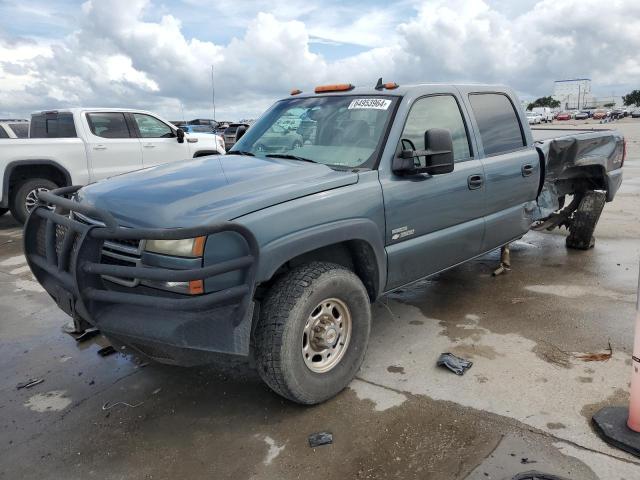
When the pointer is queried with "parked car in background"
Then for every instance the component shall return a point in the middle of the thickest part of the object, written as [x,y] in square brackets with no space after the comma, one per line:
[635,114]
[545,113]
[617,114]
[80,146]
[198,129]
[582,115]
[231,133]
[533,118]
[600,114]
[279,255]
[14,129]
[564,116]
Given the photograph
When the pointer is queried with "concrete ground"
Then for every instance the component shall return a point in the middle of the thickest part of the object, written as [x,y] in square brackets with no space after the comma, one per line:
[525,404]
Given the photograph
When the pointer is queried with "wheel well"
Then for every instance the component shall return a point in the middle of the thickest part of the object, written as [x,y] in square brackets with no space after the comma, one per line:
[582,179]
[356,255]
[22,172]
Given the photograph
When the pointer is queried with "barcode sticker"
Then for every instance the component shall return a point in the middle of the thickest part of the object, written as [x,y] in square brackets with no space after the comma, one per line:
[374,103]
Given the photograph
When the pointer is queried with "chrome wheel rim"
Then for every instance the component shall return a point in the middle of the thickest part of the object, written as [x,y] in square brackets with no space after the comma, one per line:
[326,335]
[32,198]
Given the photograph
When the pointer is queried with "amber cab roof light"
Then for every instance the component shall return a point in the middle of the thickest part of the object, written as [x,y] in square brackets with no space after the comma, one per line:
[338,87]
[387,86]
[296,91]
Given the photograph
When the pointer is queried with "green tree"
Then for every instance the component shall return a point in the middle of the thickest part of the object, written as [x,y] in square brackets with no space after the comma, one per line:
[632,98]
[544,102]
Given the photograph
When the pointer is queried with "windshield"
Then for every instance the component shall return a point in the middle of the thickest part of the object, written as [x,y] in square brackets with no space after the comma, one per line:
[341,131]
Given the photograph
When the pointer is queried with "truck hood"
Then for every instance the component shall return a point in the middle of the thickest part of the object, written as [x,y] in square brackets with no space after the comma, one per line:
[209,189]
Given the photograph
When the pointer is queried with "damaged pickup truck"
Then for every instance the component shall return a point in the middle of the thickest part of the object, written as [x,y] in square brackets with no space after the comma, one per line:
[278,253]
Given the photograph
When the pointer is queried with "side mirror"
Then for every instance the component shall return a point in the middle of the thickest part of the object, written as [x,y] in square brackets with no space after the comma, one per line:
[438,155]
[240,132]
[180,135]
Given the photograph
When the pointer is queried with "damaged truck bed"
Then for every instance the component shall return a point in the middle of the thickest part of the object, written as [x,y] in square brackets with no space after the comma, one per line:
[587,167]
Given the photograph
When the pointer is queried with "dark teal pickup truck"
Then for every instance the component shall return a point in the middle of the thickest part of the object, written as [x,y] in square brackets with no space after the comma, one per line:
[279,252]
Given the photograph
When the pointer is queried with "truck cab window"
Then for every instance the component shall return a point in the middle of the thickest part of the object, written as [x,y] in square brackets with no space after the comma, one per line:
[440,111]
[108,125]
[498,123]
[3,134]
[151,127]
[52,125]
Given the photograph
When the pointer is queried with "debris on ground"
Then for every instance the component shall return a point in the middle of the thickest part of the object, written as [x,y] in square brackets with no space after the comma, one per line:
[526,461]
[88,334]
[320,438]
[103,352]
[596,357]
[456,364]
[32,382]
[505,261]
[106,406]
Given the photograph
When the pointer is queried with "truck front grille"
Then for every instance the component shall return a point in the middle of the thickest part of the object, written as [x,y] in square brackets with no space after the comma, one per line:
[117,252]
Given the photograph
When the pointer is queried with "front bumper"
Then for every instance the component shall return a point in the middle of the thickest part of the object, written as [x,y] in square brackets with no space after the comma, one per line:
[65,257]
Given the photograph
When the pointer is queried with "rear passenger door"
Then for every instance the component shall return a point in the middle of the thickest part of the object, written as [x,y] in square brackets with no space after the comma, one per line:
[112,147]
[433,222]
[511,166]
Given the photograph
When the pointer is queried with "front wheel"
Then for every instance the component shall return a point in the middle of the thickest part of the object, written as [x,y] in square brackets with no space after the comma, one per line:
[26,197]
[312,333]
[3,211]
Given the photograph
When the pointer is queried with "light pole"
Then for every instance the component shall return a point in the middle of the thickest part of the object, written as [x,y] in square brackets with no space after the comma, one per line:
[213,95]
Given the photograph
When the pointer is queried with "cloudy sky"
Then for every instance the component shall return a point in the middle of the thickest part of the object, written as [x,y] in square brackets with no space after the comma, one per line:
[157,54]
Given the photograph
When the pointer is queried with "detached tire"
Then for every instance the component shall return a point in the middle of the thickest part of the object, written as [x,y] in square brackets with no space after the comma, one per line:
[24,197]
[584,221]
[312,333]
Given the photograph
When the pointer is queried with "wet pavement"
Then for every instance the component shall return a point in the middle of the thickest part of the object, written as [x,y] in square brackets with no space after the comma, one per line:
[525,405]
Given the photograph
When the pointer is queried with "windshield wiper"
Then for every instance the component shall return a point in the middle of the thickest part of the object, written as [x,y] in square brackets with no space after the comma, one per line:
[288,156]
[240,152]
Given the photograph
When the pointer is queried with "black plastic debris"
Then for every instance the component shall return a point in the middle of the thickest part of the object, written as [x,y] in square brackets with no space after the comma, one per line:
[103,352]
[456,364]
[32,382]
[320,438]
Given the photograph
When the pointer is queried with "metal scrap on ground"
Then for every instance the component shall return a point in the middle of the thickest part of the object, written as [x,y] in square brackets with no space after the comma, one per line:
[30,383]
[456,364]
[320,438]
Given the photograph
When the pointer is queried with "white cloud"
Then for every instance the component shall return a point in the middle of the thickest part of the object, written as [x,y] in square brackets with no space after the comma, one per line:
[116,56]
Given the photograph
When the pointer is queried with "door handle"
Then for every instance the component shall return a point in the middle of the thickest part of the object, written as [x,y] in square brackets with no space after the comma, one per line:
[527,169]
[475,181]
[99,147]
[149,145]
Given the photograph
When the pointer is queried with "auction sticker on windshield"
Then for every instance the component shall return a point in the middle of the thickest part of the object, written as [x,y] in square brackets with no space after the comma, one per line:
[375,103]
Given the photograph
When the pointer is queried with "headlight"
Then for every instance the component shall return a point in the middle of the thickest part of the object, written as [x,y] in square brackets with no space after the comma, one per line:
[188,247]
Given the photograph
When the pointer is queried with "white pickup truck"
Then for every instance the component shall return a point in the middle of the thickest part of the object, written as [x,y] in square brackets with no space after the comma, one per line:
[79,146]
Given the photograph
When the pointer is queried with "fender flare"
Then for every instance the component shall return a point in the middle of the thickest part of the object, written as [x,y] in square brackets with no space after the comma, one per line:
[11,166]
[279,251]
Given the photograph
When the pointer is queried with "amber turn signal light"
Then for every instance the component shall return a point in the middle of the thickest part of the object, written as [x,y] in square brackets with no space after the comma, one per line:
[196,287]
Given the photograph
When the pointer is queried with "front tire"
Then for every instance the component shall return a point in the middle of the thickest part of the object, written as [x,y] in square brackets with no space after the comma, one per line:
[25,197]
[3,211]
[584,221]
[313,312]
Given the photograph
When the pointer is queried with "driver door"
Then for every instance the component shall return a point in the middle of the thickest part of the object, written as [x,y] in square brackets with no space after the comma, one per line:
[159,141]
[433,221]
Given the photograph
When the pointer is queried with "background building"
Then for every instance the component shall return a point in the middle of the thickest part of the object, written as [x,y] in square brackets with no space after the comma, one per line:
[574,94]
